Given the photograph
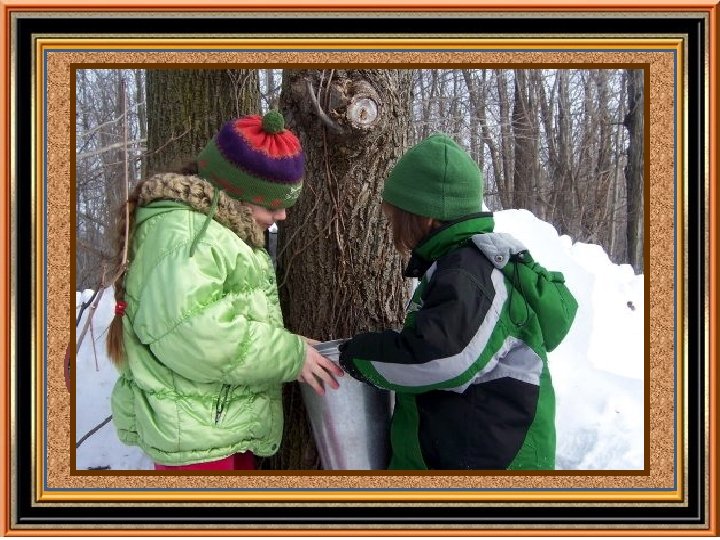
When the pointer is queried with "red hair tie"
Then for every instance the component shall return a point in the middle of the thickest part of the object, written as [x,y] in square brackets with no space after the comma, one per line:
[120,307]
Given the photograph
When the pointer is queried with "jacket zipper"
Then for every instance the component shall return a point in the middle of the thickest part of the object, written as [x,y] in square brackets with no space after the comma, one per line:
[221,402]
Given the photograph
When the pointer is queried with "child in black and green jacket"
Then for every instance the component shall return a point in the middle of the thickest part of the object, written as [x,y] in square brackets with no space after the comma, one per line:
[469,368]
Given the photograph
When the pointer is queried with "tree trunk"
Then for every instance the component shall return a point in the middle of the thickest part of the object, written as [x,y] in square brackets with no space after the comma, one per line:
[186,108]
[141,116]
[523,127]
[634,122]
[338,271]
[564,217]
[603,222]
[456,113]
[617,214]
[505,181]
[427,98]
[477,95]
[113,161]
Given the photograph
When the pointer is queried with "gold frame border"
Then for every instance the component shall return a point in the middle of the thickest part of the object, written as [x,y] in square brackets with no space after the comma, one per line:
[47,45]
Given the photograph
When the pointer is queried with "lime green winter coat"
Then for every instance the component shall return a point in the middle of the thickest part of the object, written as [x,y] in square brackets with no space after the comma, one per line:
[206,350]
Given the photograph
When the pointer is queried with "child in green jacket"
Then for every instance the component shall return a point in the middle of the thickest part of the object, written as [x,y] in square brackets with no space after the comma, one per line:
[469,368]
[198,333]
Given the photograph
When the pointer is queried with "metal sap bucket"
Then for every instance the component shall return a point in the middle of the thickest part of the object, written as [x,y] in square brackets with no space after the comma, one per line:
[351,425]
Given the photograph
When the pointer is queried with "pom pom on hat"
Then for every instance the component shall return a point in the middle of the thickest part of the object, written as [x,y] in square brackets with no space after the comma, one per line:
[273,122]
[256,160]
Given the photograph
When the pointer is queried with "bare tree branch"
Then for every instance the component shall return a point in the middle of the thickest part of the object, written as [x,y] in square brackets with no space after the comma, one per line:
[321,114]
[92,432]
[110,147]
[97,128]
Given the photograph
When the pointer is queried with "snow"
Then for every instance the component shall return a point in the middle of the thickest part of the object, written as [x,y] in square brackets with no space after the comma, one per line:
[92,400]
[598,370]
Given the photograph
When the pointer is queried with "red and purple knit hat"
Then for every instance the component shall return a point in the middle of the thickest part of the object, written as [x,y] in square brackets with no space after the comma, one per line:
[256,160]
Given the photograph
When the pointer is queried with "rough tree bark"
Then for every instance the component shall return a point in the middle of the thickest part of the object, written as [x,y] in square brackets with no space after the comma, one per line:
[338,272]
[523,122]
[477,94]
[185,108]
[617,212]
[603,222]
[634,170]
[507,177]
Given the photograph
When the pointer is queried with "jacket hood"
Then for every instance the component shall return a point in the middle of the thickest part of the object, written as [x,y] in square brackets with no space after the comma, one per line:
[196,193]
[534,288]
[446,238]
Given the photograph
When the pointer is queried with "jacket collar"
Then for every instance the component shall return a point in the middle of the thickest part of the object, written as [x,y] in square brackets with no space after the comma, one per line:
[170,191]
[444,239]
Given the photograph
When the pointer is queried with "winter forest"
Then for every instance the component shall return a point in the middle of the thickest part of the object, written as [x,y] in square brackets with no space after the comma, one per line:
[565,144]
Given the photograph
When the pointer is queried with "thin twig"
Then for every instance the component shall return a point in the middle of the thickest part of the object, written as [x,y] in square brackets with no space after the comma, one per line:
[288,265]
[171,140]
[92,432]
[92,340]
[93,308]
[327,86]
[298,230]
[84,306]
[91,313]
[113,146]
[324,117]
[92,131]
[127,180]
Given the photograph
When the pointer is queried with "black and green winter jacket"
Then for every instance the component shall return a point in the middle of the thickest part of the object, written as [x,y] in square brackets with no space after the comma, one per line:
[469,368]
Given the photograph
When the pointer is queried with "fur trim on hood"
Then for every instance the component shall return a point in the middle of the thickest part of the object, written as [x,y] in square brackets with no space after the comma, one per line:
[198,194]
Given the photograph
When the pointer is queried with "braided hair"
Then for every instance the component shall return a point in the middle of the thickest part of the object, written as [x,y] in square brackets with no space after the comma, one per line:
[114,344]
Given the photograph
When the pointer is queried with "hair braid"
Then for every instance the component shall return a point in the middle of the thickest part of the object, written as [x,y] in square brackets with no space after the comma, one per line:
[114,344]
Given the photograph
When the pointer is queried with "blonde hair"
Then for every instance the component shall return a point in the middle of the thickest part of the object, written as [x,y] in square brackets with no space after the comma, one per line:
[198,194]
[114,344]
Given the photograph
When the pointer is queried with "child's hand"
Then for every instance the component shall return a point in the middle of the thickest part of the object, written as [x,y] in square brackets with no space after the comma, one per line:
[310,341]
[318,370]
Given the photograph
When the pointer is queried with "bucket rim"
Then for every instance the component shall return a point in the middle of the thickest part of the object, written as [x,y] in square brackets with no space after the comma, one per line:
[329,346]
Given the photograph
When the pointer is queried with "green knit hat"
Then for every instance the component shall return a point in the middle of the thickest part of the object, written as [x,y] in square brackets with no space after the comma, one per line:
[436,178]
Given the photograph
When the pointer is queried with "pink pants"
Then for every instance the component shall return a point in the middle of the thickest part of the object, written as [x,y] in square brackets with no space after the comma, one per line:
[237,462]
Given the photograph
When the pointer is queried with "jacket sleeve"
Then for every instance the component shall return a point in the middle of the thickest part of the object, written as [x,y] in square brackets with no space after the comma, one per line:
[433,353]
[548,297]
[196,328]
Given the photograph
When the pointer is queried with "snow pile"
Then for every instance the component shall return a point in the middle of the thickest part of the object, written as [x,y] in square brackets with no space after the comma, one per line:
[598,370]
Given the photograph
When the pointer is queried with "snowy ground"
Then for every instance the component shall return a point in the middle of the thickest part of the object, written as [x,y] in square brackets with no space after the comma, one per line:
[598,370]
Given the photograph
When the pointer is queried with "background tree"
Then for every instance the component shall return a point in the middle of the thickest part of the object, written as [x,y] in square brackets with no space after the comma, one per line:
[338,271]
[106,102]
[525,129]
[564,144]
[476,82]
[634,171]
[187,107]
